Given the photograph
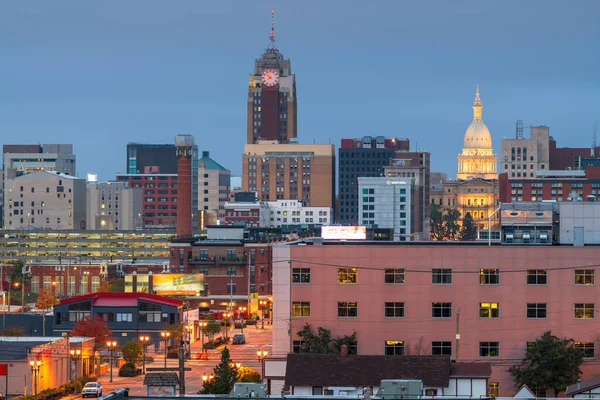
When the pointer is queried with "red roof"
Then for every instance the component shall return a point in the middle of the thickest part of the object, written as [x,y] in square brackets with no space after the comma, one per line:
[118,299]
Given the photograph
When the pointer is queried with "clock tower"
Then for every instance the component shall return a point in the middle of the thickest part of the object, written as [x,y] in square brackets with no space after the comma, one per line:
[272,97]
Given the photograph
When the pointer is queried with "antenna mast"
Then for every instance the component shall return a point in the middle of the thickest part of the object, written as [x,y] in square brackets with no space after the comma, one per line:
[272,33]
[594,143]
[519,129]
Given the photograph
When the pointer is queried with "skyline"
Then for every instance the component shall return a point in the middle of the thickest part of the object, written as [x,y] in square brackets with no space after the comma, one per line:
[100,76]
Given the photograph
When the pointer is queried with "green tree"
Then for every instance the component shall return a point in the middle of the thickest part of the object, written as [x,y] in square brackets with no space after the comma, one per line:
[224,377]
[451,225]
[12,331]
[132,351]
[322,342]
[16,275]
[436,224]
[468,232]
[117,285]
[212,328]
[549,363]
[247,374]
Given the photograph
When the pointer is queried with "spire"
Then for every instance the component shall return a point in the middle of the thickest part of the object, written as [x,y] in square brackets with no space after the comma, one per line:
[272,33]
[477,106]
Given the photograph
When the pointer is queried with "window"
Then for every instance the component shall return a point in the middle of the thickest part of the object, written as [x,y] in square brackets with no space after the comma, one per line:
[587,347]
[536,310]
[347,275]
[441,310]
[536,277]
[489,349]
[395,275]
[301,275]
[231,289]
[493,389]
[347,309]
[297,346]
[441,276]
[489,276]
[124,317]
[394,310]
[301,309]
[489,310]
[584,276]
[441,348]
[231,270]
[584,310]
[394,347]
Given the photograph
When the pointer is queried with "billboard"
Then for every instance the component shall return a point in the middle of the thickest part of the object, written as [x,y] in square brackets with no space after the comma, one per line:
[344,232]
[178,284]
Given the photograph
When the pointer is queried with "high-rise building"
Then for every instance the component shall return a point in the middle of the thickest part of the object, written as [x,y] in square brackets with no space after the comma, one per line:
[304,172]
[272,106]
[185,146]
[114,206]
[363,157]
[213,186]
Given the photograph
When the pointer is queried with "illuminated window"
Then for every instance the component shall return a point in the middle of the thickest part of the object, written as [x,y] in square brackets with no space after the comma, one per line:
[586,347]
[395,275]
[301,309]
[489,276]
[584,276]
[394,347]
[301,275]
[489,310]
[493,389]
[489,349]
[347,309]
[584,310]
[348,275]
[537,277]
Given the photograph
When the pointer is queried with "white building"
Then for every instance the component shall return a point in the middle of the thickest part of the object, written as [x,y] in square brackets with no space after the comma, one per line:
[385,202]
[113,206]
[274,214]
[213,186]
[45,200]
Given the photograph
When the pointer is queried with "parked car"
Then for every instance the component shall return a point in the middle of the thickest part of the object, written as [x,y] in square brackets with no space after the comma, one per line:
[239,339]
[92,389]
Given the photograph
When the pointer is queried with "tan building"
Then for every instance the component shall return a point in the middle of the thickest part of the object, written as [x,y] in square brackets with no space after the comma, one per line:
[113,206]
[213,186]
[304,172]
[45,200]
[522,158]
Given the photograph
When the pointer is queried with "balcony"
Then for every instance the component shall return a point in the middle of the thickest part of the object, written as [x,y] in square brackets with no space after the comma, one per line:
[202,260]
[233,260]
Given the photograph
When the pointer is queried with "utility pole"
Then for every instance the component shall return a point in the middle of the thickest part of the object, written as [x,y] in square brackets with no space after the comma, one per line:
[181,371]
[457,333]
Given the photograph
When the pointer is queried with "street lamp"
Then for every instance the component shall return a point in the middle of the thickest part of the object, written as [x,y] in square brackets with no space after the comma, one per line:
[165,337]
[22,295]
[261,354]
[54,290]
[75,354]
[226,315]
[235,365]
[144,340]
[263,304]
[203,325]
[207,378]
[35,374]
[112,347]
[189,330]
[242,310]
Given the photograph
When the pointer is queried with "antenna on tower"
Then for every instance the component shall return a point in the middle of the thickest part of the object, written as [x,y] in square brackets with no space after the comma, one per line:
[272,33]
[519,129]
[594,143]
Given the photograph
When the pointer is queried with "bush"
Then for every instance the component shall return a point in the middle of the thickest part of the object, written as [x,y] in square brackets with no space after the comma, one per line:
[251,322]
[149,359]
[129,370]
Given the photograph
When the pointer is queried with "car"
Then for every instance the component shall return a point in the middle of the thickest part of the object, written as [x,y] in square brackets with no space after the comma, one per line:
[92,389]
[239,339]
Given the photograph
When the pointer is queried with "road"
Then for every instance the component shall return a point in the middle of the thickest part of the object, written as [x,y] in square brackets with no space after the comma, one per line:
[256,339]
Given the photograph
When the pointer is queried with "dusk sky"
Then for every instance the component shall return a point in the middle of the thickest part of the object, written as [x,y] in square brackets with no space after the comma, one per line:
[102,74]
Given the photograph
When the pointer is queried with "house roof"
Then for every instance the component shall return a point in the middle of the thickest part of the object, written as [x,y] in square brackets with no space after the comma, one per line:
[584,386]
[357,370]
[118,299]
[17,351]
[471,370]
[161,379]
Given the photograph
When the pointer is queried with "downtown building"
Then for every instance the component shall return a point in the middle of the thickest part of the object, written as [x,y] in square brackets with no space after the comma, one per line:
[214,182]
[113,206]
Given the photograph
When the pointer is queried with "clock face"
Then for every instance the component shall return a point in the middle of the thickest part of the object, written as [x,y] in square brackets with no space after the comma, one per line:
[270,77]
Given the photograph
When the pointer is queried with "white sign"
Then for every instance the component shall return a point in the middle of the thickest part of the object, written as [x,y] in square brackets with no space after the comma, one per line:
[344,232]
[396,182]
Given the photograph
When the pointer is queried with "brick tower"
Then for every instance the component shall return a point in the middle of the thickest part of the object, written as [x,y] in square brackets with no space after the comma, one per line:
[184,146]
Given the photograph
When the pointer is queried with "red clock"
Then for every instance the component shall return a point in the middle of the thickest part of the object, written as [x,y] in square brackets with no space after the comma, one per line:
[270,77]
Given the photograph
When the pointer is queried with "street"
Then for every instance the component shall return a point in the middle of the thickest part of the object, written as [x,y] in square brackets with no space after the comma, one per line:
[256,339]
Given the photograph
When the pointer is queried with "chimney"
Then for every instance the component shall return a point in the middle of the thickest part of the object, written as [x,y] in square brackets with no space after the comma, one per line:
[578,384]
[184,145]
[344,351]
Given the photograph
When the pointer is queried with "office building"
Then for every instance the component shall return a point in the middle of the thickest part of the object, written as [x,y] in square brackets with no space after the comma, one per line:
[114,206]
[280,213]
[45,200]
[387,203]
[303,172]
[213,186]
[364,157]
[272,106]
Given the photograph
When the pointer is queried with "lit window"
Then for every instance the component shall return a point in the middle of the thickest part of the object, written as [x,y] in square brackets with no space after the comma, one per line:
[537,277]
[586,347]
[394,347]
[348,275]
[395,275]
[301,309]
[489,310]
[584,310]
[489,349]
[489,276]
[347,309]
[584,276]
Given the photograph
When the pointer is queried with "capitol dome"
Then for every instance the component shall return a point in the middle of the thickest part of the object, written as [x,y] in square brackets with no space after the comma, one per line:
[477,135]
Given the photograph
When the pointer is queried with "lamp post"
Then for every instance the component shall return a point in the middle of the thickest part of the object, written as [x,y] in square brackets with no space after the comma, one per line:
[235,365]
[242,311]
[226,316]
[17,284]
[202,324]
[189,330]
[165,337]
[261,354]
[263,304]
[35,373]
[207,378]
[112,347]
[144,340]
[54,290]
[75,354]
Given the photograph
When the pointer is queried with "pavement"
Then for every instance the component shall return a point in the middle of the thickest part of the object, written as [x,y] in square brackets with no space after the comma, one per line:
[256,339]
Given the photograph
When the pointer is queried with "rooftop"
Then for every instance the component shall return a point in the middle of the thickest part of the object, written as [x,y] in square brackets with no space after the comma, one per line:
[209,163]
[122,299]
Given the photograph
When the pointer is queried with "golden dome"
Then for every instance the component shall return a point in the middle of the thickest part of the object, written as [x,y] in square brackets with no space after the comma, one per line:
[477,135]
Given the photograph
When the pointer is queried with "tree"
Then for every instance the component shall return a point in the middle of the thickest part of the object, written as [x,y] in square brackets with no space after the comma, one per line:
[45,298]
[224,376]
[105,286]
[247,374]
[468,232]
[419,348]
[92,327]
[212,328]
[322,342]
[436,225]
[451,225]
[117,285]
[549,363]
[132,351]
[12,331]
[16,275]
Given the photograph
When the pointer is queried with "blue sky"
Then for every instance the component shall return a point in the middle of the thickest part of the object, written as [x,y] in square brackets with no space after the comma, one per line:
[104,73]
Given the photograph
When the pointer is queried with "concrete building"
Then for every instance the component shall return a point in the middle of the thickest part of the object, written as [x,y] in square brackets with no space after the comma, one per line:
[45,200]
[213,186]
[113,206]
[243,214]
[364,157]
[387,203]
[272,105]
[280,213]
[401,296]
[303,172]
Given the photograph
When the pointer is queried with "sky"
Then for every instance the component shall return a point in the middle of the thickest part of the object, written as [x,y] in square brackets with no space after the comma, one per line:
[100,74]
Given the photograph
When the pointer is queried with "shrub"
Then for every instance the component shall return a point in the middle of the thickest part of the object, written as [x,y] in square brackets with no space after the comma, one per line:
[128,370]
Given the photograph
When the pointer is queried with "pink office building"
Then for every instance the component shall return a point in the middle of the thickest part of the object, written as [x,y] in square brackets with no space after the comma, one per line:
[403,298]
